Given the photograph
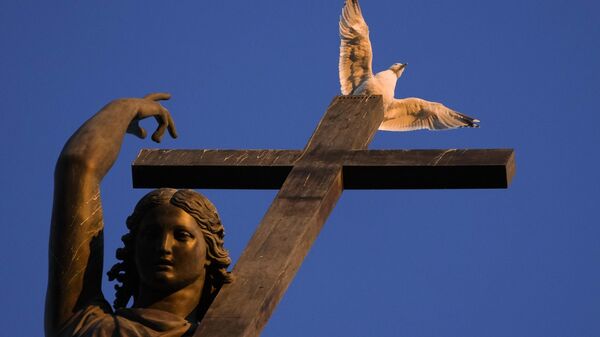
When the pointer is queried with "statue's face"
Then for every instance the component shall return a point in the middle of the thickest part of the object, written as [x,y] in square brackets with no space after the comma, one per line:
[170,252]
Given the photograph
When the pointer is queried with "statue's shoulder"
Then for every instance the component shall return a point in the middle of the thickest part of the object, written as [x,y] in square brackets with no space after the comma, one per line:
[95,319]
[98,320]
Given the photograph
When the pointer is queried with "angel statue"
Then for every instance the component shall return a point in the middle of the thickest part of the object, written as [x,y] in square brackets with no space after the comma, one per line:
[172,261]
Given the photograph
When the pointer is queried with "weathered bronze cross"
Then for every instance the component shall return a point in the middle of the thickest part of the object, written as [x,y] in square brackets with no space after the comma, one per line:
[310,183]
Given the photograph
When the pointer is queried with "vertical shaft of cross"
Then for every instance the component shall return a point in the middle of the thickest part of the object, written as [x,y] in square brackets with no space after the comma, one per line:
[293,221]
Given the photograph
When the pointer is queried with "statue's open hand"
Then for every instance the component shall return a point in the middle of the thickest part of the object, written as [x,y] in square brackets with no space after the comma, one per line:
[149,106]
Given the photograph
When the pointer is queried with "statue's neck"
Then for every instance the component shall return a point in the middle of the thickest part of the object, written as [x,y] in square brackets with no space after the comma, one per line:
[182,302]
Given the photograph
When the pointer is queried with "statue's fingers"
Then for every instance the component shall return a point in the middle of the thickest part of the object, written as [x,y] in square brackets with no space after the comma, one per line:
[171,126]
[158,134]
[135,129]
[162,126]
[158,96]
[142,132]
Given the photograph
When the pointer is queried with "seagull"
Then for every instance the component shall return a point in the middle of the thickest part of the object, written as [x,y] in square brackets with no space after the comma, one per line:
[356,78]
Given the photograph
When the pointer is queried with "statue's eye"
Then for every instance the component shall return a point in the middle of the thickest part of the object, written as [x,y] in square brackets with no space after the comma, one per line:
[182,235]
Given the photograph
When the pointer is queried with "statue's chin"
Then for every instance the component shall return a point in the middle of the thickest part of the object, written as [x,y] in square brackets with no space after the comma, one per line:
[164,280]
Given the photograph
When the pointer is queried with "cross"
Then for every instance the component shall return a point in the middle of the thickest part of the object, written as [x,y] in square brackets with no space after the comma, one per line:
[310,182]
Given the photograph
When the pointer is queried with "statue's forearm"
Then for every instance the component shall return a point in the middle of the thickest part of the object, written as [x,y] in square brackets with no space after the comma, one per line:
[94,147]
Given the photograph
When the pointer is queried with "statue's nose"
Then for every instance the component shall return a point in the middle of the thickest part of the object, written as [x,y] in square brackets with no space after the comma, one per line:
[166,244]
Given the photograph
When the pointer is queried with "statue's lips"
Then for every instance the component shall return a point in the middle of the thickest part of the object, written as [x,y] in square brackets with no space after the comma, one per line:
[162,263]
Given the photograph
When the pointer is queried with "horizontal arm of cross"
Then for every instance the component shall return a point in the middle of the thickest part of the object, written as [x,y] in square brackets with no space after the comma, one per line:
[361,169]
[310,182]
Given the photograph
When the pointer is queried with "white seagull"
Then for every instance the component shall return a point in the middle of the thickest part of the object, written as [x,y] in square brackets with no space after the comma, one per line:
[356,78]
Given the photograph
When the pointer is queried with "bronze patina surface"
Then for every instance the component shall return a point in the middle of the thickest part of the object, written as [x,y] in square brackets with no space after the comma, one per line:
[173,258]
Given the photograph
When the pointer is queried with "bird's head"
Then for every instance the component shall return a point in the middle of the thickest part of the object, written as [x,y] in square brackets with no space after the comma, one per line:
[398,68]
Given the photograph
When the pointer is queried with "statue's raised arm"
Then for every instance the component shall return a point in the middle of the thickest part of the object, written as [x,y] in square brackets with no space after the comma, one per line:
[76,242]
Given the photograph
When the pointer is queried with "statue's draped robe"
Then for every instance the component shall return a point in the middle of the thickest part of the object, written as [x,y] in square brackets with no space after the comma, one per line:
[98,320]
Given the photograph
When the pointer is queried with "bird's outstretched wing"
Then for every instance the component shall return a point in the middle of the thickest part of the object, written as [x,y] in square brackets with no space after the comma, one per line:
[415,113]
[355,48]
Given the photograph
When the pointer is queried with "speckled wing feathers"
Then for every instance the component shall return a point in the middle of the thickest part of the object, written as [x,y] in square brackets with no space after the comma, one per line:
[415,114]
[355,48]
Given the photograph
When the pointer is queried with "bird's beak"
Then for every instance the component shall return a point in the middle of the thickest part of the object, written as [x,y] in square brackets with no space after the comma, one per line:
[399,69]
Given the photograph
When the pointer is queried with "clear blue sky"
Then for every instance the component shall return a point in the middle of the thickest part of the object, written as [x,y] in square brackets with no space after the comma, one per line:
[521,262]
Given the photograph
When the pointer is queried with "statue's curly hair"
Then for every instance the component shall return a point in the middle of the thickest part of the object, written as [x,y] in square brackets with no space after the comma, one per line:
[207,218]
